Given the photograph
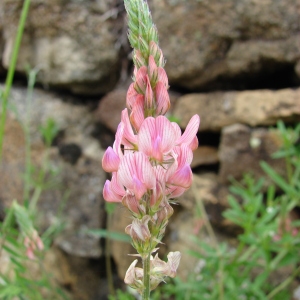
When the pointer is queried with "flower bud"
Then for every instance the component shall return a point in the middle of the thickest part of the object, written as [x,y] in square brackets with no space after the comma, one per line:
[139,230]
[134,277]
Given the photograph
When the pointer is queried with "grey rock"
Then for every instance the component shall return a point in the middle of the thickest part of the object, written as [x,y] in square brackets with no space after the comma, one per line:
[72,43]
[219,109]
[242,149]
[207,42]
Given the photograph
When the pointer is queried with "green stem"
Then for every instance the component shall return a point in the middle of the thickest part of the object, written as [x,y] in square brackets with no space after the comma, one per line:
[27,185]
[146,268]
[11,70]
[107,257]
[204,215]
[221,280]
[284,284]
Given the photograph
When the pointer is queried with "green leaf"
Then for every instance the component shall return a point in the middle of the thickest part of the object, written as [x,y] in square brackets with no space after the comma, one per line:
[278,179]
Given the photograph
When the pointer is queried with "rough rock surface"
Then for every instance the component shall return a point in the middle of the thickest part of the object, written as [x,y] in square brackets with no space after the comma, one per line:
[242,149]
[78,193]
[110,108]
[205,155]
[76,188]
[74,44]
[219,109]
[210,44]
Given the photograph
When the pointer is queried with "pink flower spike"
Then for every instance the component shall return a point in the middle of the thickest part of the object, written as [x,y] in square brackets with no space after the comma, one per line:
[110,160]
[190,132]
[162,98]
[156,137]
[129,139]
[136,174]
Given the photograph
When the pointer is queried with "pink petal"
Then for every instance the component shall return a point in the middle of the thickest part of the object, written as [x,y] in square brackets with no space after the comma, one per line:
[177,130]
[141,80]
[166,131]
[176,191]
[152,69]
[131,96]
[129,138]
[116,186]
[183,177]
[109,195]
[162,76]
[137,114]
[139,188]
[173,262]
[131,203]
[147,130]
[136,173]
[194,144]
[110,160]
[156,137]
[145,170]
[190,131]
[162,98]
[149,99]
[184,155]
[118,140]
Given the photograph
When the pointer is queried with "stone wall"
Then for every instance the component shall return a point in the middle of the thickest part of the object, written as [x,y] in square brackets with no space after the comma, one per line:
[236,63]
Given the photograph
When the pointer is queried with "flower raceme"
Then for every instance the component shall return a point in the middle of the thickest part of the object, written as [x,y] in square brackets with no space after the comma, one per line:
[150,158]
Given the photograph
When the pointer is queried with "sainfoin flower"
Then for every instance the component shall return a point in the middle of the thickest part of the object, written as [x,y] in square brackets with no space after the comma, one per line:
[150,158]
[32,243]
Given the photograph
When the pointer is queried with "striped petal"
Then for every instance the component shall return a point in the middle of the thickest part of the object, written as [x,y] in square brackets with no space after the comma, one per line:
[156,137]
[162,98]
[136,173]
[190,131]
[129,139]
[109,195]
[110,160]
[137,114]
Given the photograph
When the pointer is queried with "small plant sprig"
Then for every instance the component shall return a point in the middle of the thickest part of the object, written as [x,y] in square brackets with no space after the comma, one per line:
[150,159]
[269,242]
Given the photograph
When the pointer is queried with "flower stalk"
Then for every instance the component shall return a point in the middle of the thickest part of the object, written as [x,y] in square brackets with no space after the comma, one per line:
[150,158]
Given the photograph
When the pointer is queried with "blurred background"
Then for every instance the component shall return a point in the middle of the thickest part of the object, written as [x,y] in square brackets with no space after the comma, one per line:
[236,63]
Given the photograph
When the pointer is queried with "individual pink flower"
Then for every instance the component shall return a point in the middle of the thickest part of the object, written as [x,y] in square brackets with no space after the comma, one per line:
[113,191]
[134,277]
[139,230]
[33,243]
[112,155]
[136,174]
[156,137]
